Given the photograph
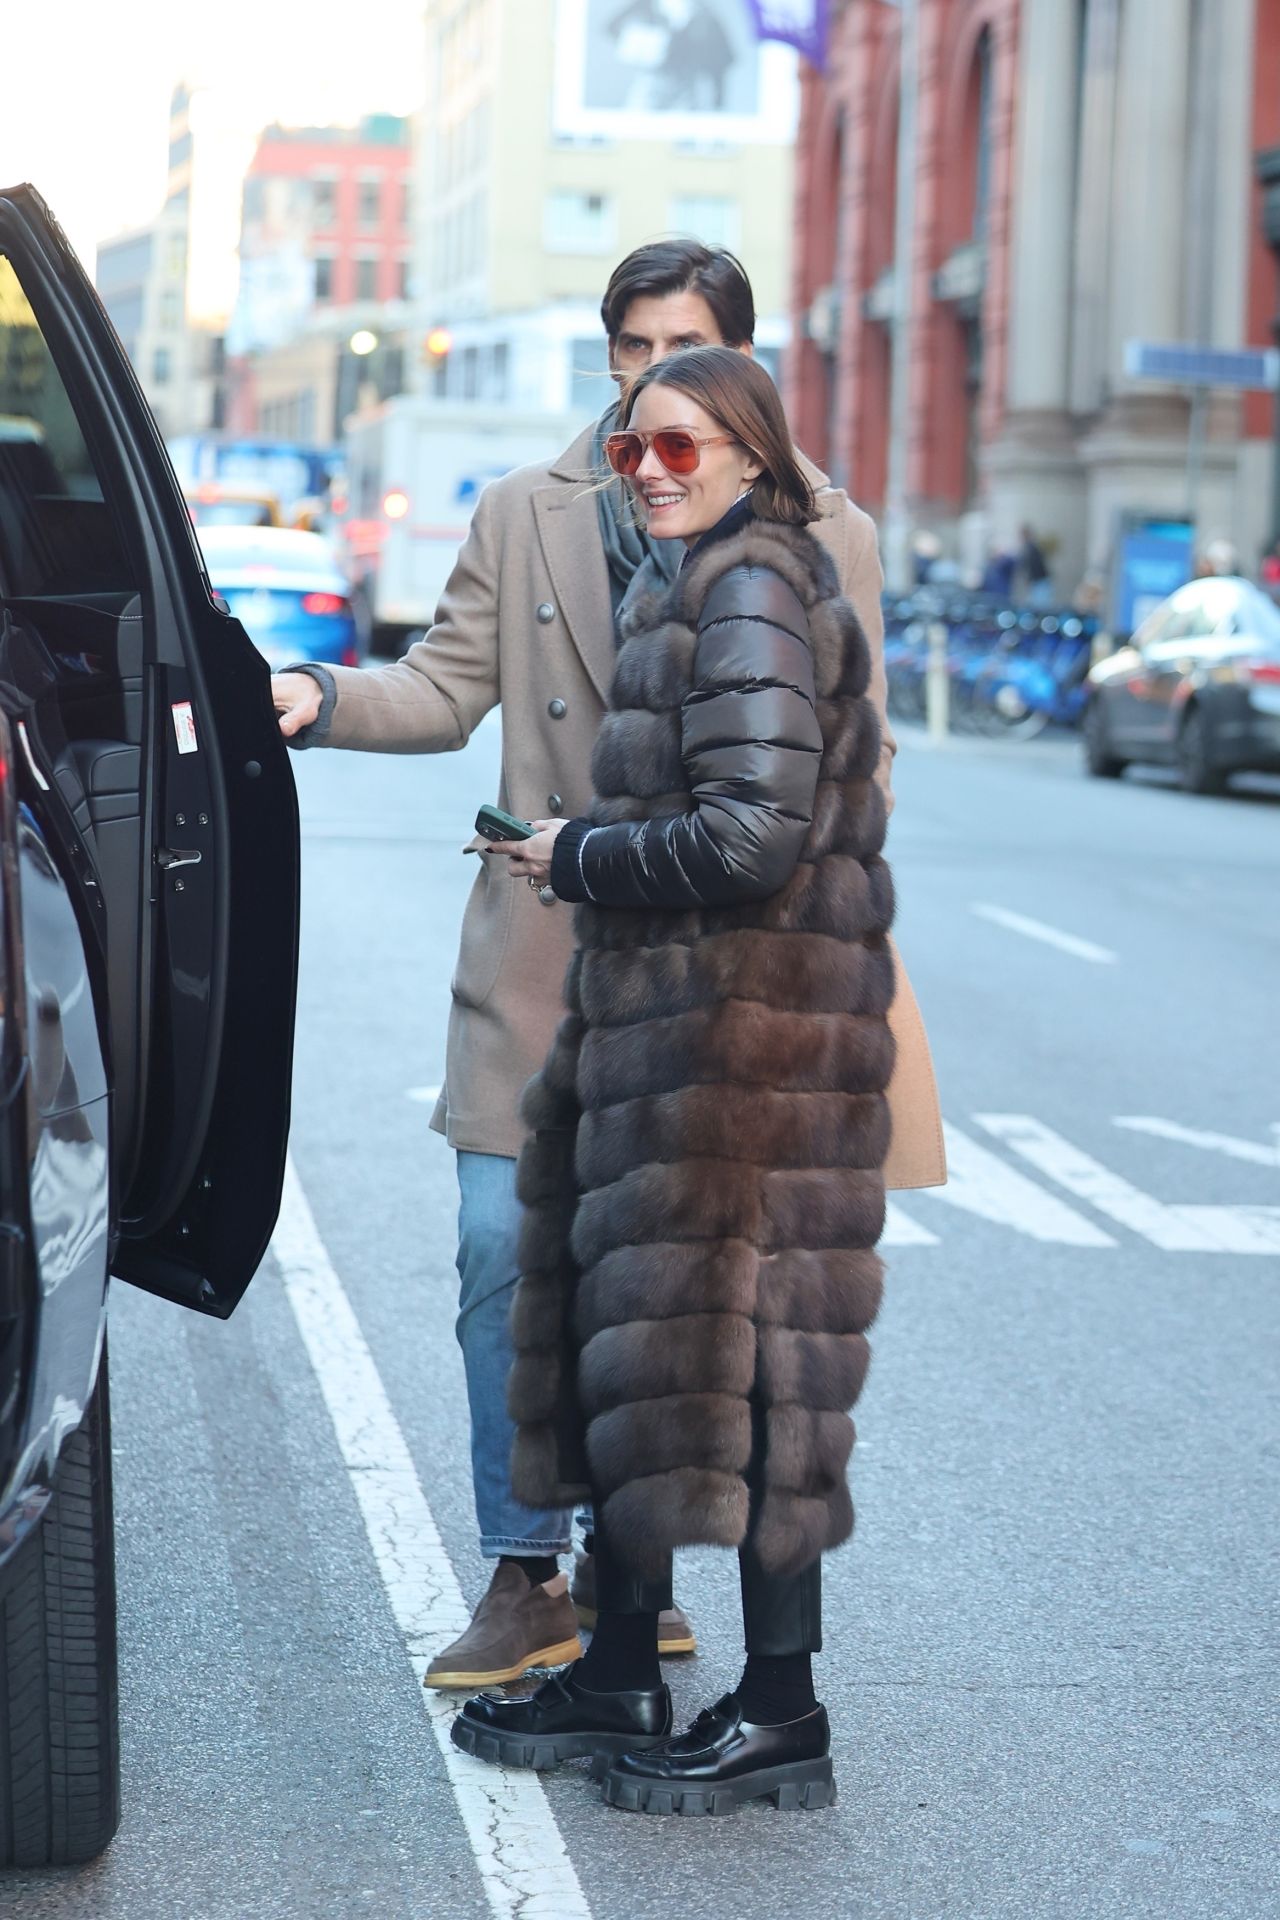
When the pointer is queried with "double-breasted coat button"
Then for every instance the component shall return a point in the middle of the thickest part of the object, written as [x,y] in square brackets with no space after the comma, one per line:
[546,613]
[557,709]
[547,895]
[554,802]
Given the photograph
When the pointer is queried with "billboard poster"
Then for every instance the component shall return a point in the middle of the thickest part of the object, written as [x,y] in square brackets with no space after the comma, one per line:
[671,69]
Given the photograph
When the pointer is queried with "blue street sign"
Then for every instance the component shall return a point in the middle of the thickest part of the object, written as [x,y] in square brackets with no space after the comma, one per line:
[1154,560]
[1189,366]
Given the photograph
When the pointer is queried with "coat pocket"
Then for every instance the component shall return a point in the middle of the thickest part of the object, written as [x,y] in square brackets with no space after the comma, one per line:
[486,928]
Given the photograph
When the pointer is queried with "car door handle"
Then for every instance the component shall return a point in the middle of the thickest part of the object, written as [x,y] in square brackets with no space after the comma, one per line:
[170,857]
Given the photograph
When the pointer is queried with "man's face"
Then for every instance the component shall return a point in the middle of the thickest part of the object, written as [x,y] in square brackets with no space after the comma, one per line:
[656,325]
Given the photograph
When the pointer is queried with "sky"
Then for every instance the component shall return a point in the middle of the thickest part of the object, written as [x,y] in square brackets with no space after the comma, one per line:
[84,99]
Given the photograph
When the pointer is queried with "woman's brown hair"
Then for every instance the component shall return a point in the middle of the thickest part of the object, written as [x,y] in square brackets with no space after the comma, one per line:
[739,395]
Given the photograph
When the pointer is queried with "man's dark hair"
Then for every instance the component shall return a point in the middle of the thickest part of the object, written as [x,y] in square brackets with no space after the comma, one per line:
[684,266]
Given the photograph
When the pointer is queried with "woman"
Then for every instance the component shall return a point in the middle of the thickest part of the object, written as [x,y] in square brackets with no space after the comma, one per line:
[702,1181]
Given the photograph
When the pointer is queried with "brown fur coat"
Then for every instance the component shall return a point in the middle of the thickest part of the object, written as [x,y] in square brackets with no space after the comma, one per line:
[702,1182]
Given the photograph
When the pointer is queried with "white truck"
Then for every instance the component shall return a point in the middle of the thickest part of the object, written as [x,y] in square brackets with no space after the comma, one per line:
[415,469]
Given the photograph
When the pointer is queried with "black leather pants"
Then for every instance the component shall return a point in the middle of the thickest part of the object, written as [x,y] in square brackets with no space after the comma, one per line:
[781,1612]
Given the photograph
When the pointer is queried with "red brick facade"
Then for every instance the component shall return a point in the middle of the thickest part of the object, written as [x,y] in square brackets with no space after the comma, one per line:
[838,383]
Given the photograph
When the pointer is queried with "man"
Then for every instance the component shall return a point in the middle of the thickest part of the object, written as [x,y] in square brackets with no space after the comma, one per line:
[528,618]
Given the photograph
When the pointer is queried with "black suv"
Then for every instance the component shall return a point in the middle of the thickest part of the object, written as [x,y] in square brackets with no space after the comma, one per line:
[148,951]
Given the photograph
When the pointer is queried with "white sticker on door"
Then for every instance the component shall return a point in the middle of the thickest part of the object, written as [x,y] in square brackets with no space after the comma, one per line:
[184,725]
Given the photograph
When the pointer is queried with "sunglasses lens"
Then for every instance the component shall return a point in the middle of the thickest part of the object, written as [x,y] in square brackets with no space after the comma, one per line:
[677,450]
[624,451]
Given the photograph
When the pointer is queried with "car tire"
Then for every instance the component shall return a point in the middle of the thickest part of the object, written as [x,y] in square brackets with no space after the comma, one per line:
[59,1708]
[1102,763]
[1196,771]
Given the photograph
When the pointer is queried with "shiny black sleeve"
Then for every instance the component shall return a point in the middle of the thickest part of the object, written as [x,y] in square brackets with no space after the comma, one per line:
[751,746]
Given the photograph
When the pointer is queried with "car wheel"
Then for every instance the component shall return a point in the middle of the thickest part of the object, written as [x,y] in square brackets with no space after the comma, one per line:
[59,1721]
[1102,763]
[1195,769]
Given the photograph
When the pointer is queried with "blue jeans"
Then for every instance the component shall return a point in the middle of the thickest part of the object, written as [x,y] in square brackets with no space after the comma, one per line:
[488,1225]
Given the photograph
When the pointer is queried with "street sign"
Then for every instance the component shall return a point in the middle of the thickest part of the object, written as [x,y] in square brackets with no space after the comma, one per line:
[1190,366]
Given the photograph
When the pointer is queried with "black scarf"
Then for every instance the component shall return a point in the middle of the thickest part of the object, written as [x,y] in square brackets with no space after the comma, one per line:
[636,564]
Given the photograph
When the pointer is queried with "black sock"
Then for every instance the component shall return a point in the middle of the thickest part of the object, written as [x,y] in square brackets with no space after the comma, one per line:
[588,1543]
[623,1655]
[776,1687]
[537,1568]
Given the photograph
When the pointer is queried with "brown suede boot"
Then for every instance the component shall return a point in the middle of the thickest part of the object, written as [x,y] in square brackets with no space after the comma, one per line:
[675,1635]
[514,1628]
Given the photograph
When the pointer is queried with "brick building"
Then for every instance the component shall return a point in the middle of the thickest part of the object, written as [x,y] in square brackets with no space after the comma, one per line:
[1081,177]
[325,247]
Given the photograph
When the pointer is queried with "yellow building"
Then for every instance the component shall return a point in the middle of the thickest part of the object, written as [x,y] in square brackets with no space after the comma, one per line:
[559,134]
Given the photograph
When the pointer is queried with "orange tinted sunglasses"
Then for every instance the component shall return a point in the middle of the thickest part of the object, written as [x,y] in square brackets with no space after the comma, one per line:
[678,449]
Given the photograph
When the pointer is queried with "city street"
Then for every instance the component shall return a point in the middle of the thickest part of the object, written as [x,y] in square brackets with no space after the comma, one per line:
[1051,1649]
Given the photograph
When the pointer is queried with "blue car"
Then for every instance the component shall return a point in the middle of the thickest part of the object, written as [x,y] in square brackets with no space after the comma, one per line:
[287,590]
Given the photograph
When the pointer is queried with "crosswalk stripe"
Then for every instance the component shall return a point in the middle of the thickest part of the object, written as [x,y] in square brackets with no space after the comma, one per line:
[1239,1229]
[1228,1143]
[1173,1229]
[979,1182]
[900,1230]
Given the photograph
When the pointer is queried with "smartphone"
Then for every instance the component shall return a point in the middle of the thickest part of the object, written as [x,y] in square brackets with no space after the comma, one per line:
[493,824]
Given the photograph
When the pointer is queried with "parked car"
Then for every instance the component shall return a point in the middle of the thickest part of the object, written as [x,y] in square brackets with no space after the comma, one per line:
[215,503]
[1198,687]
[148,942]
[287,589]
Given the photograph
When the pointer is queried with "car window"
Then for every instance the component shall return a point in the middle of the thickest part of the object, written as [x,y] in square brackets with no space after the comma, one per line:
[229,548]
[229,513]
[1259,618]
[57,532]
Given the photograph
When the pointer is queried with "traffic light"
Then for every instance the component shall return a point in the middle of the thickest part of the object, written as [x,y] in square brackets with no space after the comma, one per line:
[435,348]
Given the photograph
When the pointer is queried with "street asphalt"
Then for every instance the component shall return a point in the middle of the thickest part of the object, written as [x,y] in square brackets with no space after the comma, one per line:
[1051,1653]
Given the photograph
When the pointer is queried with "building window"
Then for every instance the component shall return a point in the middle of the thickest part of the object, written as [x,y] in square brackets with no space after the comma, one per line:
[498,372]
[369,203]
[470,372]
[324,277]
[324,203]
[579,223]
[402,279]
[711,218]
[589,388]
[366,279]
[160,366]
[170,309]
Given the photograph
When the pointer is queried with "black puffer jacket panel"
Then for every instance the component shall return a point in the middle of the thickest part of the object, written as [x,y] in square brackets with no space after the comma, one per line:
[751,745]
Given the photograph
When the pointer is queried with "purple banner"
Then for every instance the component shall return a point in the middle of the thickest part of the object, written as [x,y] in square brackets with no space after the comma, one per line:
[800,23]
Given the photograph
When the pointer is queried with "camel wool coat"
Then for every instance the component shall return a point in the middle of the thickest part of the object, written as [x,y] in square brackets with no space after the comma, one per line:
[526,621]
[702,1182]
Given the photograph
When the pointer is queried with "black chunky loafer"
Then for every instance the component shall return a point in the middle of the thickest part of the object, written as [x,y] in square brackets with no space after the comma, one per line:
[724,1760]
[562,1721]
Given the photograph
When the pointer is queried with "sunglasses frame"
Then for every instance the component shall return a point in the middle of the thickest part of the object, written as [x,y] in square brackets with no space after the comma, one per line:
[650,440]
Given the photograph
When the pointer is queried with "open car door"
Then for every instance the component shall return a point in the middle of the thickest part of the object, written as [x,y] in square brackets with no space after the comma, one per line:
[152,724]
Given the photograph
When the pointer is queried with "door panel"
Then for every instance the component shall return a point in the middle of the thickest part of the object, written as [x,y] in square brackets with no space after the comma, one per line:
[210,922]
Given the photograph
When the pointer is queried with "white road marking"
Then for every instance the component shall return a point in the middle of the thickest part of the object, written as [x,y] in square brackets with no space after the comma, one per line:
[1051,936]
[900,1230]
[1239,1229]
[425,1096]
[1173,1229]
[1228,1143]
[524,1866]
[981,1183]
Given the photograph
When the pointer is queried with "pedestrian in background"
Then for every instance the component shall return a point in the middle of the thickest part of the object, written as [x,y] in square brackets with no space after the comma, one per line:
[1038,582]
[528,619]
[703,1180]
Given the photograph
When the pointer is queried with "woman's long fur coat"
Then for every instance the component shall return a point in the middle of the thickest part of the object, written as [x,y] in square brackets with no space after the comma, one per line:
[702,1182]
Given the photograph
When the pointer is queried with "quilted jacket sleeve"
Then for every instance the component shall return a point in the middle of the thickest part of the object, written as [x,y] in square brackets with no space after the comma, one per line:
[751,745]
